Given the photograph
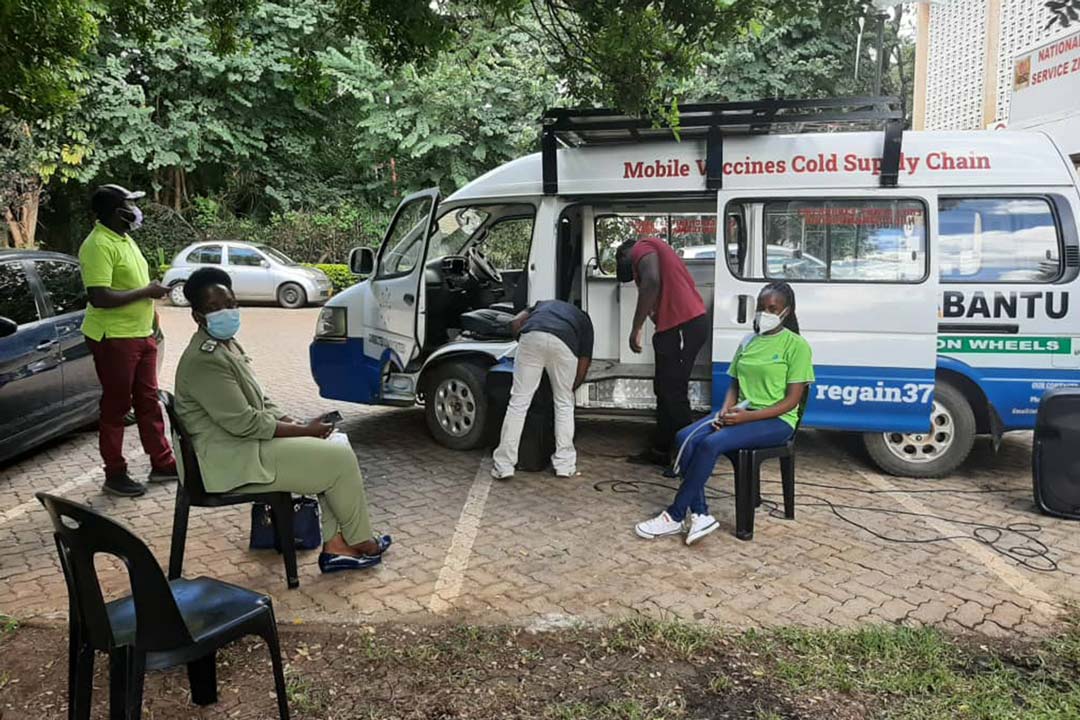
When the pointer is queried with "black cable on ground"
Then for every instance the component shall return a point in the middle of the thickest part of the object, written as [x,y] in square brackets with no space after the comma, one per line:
[1034,556]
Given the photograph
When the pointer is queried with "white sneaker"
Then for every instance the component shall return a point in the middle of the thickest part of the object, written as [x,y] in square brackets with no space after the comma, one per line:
[700,526]
[567,473]
[496,476]
[658,526]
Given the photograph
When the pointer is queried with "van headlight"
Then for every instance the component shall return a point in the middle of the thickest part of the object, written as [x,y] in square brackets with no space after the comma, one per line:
[331,323]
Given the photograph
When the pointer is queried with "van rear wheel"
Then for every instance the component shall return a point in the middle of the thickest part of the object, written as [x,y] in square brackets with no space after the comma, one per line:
[934,453]
[456,405]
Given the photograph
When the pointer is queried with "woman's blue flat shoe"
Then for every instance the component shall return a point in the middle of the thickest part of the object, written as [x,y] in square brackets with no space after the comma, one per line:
[384,541]
[329,562]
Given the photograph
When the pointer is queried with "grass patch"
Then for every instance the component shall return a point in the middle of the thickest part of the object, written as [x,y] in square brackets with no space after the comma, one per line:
[684,639]
[638,669]
[623,709]
[922,673]
[303,696]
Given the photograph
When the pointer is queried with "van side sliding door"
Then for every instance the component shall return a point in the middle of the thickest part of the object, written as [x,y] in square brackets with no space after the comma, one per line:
[866,289]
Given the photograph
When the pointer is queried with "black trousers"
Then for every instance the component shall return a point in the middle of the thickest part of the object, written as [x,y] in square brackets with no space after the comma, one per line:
[675,350]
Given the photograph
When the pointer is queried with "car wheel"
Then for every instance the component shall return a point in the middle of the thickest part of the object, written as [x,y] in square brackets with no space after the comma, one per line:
[934,453]
[291,296]
[456,405]
[176,294]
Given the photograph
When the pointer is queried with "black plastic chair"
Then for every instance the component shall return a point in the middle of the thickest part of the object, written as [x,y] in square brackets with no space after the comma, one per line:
[748,479]
[161,624]
[190,492]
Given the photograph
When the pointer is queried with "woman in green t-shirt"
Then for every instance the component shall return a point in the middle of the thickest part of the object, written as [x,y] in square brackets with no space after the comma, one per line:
[770,373]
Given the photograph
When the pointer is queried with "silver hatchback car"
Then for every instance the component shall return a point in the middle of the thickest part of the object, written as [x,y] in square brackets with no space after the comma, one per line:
[258,272]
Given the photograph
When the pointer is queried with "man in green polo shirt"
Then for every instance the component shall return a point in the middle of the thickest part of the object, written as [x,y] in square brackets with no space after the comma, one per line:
[119,327]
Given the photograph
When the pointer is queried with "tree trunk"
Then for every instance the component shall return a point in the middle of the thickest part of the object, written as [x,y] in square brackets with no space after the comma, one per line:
[177,180]
[22,216]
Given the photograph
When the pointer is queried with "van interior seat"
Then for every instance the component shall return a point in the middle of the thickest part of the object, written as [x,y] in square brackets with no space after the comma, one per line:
[487,324]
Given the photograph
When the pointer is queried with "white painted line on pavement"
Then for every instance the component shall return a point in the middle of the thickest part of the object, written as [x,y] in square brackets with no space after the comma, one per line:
[21,509]
[452,574]
[994,563]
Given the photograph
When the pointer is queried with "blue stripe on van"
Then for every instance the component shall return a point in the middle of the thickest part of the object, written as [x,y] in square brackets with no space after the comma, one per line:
[1014,392]
[344,372]
[861,399]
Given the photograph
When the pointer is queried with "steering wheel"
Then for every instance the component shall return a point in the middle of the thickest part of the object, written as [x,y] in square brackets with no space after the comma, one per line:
[481,268]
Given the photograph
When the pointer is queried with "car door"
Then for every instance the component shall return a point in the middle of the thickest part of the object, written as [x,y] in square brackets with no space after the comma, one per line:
[251,274]
[866,292]
[31,383]
[65,299]
[395,320]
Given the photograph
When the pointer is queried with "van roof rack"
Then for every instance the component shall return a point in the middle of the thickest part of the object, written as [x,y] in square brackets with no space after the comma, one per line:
[577,127]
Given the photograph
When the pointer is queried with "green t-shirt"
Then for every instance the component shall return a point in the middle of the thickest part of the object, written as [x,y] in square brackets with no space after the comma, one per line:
[767,364]
[114,261]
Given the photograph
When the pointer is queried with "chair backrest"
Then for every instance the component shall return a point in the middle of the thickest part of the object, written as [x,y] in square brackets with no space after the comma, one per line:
[82,533]
[191,475]
[802,407]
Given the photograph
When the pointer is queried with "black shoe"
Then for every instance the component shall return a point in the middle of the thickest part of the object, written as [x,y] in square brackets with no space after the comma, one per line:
[649,457]
[123,486]
[161,476]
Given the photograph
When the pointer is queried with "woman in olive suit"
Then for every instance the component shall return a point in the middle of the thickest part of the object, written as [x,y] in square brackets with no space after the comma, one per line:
[245,443]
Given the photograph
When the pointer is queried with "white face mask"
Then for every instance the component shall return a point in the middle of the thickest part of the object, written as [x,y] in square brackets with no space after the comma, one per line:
[765,322]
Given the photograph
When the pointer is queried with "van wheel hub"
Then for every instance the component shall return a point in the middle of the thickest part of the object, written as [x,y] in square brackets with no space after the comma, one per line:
[455,407]
[925,447]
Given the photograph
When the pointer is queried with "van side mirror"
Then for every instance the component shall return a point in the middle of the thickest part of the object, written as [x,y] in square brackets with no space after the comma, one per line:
[362,261]
[7,327]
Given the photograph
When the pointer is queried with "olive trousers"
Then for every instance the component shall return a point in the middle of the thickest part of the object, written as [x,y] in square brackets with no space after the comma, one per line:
[328,470]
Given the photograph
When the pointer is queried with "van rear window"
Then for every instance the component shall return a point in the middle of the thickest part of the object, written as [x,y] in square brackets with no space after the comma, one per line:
[692,235]
[845,240]
[998,240]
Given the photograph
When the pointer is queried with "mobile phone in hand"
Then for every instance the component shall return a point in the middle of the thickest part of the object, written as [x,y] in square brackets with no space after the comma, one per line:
[332,418]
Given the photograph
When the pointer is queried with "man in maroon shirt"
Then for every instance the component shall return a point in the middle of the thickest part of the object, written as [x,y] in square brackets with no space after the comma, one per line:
[666,294]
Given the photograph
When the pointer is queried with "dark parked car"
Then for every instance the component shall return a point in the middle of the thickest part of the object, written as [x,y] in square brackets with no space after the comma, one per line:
[47,381]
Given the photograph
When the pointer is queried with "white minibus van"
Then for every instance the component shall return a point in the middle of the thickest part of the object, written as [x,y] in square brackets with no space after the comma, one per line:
[935,272]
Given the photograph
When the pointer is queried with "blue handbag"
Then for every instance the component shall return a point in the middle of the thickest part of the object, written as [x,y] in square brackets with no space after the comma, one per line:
[307,525]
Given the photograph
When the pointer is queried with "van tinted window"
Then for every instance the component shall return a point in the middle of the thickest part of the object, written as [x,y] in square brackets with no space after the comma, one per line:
[692,235]
[998,240]
[845,240]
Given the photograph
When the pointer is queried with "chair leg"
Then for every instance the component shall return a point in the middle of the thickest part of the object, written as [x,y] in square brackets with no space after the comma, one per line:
[787,473]
[283,528]
[756,475]
[127,671]
[202,674]
[179,533]
[744,498]
[80,675]
[270,634]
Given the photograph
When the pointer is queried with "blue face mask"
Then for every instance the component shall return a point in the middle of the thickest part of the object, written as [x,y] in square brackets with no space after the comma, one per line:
[223,324]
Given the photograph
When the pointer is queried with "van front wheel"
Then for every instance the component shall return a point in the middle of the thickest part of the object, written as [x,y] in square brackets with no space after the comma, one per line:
[933,453]
[456,405]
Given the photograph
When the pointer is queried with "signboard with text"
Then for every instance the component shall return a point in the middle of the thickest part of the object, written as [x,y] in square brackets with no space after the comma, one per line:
[1046,82]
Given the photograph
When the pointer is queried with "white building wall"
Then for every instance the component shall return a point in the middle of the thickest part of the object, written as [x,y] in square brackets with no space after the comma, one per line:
[957,54]
[954,78]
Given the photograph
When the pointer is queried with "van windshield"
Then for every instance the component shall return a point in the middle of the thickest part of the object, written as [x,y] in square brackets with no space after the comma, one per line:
[454,230]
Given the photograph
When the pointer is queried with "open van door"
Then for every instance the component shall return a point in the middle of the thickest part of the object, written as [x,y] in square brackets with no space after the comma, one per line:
[395,320]
[866,289]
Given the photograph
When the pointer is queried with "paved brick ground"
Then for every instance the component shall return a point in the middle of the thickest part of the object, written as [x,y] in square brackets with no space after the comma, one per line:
[965,553]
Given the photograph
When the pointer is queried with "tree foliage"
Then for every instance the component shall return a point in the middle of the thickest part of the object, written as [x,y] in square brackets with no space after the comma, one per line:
[271,111]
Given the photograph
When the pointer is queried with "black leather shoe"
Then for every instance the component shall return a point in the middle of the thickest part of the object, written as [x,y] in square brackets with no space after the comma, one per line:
[648,457]
[123,486]
[160,476]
